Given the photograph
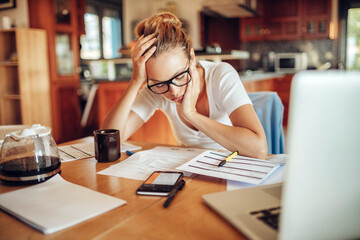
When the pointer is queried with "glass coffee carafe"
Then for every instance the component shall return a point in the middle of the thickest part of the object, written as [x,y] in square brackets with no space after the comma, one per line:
[29,156]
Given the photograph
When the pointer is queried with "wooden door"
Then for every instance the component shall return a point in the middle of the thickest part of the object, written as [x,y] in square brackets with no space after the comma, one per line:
[68,115]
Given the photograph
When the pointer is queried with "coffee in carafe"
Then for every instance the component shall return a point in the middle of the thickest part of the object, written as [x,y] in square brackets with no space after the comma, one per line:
[29,156]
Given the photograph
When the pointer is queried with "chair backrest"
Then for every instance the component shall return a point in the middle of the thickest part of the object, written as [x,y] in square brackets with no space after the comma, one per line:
[270,110]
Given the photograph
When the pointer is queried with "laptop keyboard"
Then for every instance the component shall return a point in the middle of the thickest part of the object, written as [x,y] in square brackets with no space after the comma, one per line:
[269,216]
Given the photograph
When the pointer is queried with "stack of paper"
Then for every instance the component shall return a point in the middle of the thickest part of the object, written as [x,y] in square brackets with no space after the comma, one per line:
[239,168]
[56,204]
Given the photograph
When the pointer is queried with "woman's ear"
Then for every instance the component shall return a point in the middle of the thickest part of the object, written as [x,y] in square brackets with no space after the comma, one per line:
[192,55]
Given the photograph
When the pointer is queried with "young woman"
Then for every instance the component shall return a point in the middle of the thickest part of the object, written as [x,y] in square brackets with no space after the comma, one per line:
[205,102]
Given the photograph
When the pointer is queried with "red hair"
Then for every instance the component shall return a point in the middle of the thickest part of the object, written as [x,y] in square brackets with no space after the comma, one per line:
[168,31]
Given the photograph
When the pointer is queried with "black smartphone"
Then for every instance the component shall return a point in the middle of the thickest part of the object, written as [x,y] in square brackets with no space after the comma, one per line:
[160,183]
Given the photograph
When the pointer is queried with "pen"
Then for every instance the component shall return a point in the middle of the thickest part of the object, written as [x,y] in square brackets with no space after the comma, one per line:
[228,158]
[173,192]
[129,152]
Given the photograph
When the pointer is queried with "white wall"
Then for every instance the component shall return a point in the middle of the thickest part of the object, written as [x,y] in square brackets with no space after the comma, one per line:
[188,10]
[19,14]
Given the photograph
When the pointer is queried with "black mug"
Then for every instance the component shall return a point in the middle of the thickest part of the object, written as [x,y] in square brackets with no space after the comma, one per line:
[107,145]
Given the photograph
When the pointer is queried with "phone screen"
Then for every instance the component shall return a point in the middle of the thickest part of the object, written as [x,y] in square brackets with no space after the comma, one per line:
[163,178]
[159,183]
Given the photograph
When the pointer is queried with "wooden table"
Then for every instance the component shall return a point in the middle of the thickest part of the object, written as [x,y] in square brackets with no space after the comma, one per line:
[143,217]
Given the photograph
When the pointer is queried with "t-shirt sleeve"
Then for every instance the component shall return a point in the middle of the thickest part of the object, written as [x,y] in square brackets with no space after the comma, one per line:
[145,104]
[228,89]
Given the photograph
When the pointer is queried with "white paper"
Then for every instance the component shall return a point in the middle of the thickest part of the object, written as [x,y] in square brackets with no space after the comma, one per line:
[85,150]
[56,204]
[276,177]
[140,165]
[239,168]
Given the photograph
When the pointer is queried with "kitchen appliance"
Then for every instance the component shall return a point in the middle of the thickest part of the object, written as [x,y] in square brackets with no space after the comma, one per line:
[290,62]
[29,156]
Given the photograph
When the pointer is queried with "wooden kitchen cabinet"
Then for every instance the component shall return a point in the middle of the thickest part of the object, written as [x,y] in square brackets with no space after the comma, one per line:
[275,23]
[67,100]
[282,19]
[283,28]
[157,129]
[24,78]
[289,20]
[259,85]
[252,29]
[60,19]
[316,17]
[281,85]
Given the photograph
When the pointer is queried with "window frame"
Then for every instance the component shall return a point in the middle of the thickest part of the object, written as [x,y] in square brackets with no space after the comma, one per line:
[100,5]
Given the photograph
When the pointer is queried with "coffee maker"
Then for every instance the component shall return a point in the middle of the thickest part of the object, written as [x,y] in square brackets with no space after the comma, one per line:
[29,156]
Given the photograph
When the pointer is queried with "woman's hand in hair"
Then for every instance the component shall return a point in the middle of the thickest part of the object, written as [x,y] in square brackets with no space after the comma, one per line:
[188,105]
[143,50]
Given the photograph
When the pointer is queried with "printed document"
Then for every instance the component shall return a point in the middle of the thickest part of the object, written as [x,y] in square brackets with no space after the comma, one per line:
[239,168]
[56,204]
[141,164]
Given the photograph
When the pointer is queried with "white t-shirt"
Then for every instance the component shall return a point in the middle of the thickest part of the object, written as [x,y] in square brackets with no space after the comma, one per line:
[225,93]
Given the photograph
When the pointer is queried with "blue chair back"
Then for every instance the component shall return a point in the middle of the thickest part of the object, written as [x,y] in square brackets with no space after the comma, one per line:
[270,110]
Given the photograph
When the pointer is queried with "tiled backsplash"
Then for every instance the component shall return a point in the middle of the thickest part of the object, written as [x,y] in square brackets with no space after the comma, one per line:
[318,51]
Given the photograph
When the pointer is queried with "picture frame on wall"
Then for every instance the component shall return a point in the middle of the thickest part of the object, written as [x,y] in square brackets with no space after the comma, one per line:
[6,4]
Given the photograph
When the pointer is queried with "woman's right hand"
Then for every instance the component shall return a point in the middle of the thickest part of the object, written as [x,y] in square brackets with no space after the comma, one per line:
[140,55]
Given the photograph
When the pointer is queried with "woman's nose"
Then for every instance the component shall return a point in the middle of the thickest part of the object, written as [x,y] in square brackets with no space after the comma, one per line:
[173,89]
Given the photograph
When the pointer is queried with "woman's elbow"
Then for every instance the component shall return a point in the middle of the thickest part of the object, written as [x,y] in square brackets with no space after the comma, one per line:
[261,150]
[262,153]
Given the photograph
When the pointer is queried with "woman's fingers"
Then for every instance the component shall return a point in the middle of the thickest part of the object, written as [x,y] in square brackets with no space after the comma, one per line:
[143,44]
[149,53]
[143,50]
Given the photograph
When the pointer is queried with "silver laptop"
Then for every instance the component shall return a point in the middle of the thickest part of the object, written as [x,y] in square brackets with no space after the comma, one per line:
[320,198]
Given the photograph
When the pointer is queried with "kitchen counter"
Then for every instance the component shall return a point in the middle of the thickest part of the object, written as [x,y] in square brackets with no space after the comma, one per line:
[231,55]
[258,76]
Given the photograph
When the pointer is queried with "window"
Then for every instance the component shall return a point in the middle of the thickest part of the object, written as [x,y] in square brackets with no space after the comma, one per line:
[90,43]
[111,26]
[353,39]
[106,19]
[64,54]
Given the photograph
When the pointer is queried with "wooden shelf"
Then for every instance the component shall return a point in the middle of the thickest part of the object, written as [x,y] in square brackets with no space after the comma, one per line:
[9,64]
[11,97]
[25,84]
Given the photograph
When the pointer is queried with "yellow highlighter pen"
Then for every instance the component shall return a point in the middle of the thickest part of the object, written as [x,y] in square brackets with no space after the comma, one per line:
[228,158]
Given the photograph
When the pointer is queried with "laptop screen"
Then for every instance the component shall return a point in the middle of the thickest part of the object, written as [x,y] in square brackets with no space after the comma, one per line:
[322,189]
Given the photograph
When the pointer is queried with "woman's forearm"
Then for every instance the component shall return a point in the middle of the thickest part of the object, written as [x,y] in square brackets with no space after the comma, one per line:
[233,138]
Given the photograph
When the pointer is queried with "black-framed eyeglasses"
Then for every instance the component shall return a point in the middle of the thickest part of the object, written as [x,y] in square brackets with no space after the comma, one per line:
[179,80]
